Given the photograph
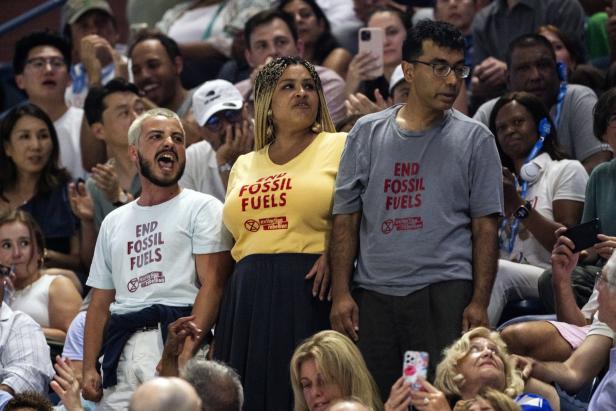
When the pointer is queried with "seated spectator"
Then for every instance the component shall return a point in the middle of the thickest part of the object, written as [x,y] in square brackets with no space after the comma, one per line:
[164,394]
[29,401]
[32,180]
[394,24]
[543,191]
[498,24]
[217,384]
[532,68]
[349,404]
[24,354]
[563,292]
[40,62]
[51,300]
[223,124]
[596,351]
[573,58]
[92,29]
[320,46]
[326,367]
[476,361]
[270,34]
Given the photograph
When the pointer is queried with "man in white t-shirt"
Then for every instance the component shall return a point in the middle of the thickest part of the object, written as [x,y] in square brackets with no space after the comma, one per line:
[41,60]
[158,258]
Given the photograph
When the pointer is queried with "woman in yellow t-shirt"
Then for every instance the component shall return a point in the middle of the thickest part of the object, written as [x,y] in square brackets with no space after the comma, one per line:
[278,208]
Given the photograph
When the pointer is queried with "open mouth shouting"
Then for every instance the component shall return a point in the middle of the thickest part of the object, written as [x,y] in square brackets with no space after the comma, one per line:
[166,160]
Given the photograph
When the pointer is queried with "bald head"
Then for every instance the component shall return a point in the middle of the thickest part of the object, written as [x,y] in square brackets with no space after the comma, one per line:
[161,394]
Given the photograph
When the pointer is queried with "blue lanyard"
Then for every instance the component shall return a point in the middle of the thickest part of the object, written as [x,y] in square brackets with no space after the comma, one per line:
[507,242]
[560,101]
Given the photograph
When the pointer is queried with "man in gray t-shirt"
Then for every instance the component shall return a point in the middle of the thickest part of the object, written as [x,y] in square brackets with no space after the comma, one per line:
[418,193]
[532,67]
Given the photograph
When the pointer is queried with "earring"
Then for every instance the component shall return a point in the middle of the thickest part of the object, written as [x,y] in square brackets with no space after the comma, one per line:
[316,127]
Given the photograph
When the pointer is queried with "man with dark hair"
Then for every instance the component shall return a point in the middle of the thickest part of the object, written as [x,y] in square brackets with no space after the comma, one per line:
[217,384]
[41,60]
[424,233]
[272,33]
[532,67]
[156,67]
[29,401]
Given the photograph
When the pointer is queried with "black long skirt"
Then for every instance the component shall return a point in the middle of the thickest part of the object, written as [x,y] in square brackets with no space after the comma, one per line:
[266,311]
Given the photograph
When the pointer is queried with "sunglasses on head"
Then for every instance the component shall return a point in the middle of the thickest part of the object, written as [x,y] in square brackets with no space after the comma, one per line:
[215,121]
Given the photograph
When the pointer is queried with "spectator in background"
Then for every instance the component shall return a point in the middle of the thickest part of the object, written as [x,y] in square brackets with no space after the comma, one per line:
[32,180]
[40,61]
[499,23]
[51,300]
[327,367]
[93,32]
[24,354]
[460,14]
[567,53]
[217,384]
[223,124]
[164,394]
[320,46]
[29,401]
[532,68]
[394,24]
[543,192]
[271,34]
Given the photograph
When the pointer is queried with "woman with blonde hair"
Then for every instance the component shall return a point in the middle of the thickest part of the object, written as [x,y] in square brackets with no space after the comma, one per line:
[279,210]
[476,361]
[328,366]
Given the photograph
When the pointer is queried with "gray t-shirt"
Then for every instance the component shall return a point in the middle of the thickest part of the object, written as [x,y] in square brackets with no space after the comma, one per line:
[574,130]
[418,193]
[102,206]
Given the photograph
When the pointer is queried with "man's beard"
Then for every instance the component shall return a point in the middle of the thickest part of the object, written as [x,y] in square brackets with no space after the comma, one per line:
[145,168]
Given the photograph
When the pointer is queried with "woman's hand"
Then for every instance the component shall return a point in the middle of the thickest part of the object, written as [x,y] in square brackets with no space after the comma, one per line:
[360,68]
[66,385]
[239,139]
[399,396]
[106,180]
[358,103]
[81,202]
[320,273]
[510,191]
[429,399]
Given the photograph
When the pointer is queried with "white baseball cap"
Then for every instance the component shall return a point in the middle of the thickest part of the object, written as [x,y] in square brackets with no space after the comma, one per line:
[396,77]
[214,96]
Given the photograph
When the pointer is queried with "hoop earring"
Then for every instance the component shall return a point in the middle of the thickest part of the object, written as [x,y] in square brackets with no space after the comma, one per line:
[269,131]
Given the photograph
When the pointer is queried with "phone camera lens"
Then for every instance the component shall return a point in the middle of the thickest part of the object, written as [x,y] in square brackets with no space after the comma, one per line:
[365,36]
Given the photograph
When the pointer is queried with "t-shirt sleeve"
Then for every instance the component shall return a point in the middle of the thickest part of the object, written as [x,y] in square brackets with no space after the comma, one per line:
[483,113]
[100,270]
[590,205]
[210,234]
[486,179]
[73,345]
[353,172]
[571,183]
[584,143]
[600,328]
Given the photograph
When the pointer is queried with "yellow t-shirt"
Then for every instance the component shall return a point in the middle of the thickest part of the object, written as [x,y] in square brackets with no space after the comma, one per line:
[273,208]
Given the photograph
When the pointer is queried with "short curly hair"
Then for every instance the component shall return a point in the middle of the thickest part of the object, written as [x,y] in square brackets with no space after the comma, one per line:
[29,399]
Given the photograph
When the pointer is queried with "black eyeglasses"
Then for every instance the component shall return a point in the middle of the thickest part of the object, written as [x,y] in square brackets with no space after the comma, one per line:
[443,70]
[40,63]
[215,121]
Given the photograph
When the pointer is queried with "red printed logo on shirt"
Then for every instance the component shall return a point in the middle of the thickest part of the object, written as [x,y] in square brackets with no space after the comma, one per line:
[154,277]
[268,224]
[251,225]
[402,224]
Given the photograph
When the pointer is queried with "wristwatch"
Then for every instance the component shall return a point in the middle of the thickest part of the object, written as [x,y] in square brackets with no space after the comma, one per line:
[523,211]
[122,199]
